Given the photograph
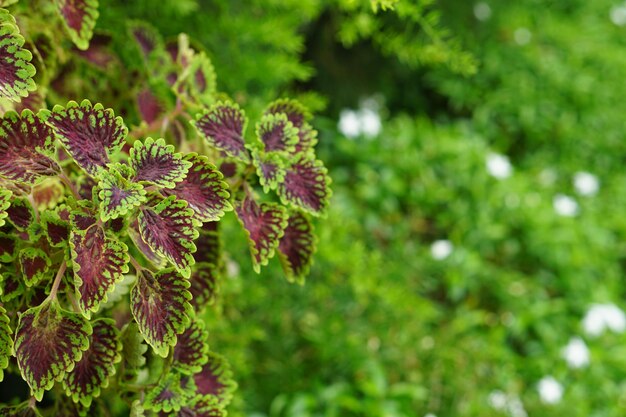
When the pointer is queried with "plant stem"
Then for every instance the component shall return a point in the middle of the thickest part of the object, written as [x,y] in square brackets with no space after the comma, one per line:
[74,303]
[31,200]
[135,264]
[57,280]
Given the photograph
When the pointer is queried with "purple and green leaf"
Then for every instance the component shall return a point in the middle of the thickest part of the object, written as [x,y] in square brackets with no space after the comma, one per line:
[166,396]
[26,147]
[160,305]
[48,343]
[216,379]
[34,265]
[149,106]
[154,258]
[99,53]
[208,244]
[17,188]
[117,226]
[12,285]
[97,365]
[6,341]
[16,70]
[270,169]
[8,247]
[203,189]
[197,81]
[147,37]
[223,126]
[307,139]
[56,229]
[21,214]
[298,115]
[89,133]
[155,162]
[191,351]
[79,18]
[117,195]
[277,133]
[293,109]
[204,286]
[5,203]
[207,406]
[82,219]
[265,224]
[306,185]
[169,228]
[297,246]
[99,262]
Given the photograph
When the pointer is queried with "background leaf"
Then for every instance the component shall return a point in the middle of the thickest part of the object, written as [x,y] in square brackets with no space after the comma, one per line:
[79,17]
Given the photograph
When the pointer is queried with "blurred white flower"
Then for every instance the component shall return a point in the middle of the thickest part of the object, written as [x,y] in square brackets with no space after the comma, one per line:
[499,166]
[522,36]
[615,318]
[365,121]
[441,249]
[482,11]
[600,317]
[618,15]
[369,122]
[516,407]
[501,401]
[430,415]
[594,321]
[550,390]
[565,205]
[576,353]
[349,123]
[586,183]
[497,400]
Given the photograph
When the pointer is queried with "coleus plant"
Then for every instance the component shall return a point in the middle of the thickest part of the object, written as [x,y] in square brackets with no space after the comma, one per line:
[110,238]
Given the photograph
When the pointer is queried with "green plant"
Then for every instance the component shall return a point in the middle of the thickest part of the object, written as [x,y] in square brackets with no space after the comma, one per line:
[110,239]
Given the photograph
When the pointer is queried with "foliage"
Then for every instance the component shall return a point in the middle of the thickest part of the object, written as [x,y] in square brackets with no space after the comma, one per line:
[111,230]
[453,268]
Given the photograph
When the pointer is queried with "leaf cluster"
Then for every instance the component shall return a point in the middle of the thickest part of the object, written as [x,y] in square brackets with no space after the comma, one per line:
[110,236]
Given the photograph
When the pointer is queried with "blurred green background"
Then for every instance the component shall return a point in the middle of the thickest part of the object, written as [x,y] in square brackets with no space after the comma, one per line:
[472,261]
